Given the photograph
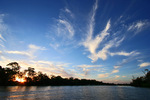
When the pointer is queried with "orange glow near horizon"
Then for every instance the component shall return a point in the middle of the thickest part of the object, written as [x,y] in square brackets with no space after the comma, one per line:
[21,80]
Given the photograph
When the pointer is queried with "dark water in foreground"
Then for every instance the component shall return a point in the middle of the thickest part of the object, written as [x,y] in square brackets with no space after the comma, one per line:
[74,93]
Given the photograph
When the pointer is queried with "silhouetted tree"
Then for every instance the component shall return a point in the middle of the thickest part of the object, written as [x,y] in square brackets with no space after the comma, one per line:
[15,67]
[30,72]
[2,76]
[143,81]
[42,79]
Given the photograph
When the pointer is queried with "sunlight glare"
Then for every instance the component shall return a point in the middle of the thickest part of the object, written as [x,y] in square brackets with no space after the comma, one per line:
[20,80]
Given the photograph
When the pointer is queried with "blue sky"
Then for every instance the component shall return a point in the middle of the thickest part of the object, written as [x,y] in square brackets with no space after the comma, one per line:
[94,39]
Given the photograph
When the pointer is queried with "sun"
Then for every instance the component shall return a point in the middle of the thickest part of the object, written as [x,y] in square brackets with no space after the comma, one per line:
[21,80]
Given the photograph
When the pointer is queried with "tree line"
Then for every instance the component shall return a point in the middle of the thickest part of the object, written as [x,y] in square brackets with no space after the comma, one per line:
[29,77]
[142,81]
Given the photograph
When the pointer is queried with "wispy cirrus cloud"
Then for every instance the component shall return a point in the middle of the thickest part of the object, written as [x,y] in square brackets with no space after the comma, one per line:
[29,53]
[138,26]
[2,38]
[2,24]
[18,52]
[90,43]
[89,66]
[129,59]
[94,43]
[123,53]
[104,52]
[92,21]
[35,47]
[1,44]
[69,12]
[145,64]
[55,45]
[3,29]
[65,28]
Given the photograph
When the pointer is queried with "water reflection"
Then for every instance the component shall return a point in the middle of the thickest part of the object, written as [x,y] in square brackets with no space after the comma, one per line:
[73,93]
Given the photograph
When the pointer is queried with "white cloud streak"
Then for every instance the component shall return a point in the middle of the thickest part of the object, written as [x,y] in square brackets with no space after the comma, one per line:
[30,52]
[1,17]
[92,21]
[3,29]
[65,28]
[116,67]
[18,52]
[89,66]
[130,58]
[103,75]
[92,44]
[34,47]
[104,52]
[1,37]
[123,53]
[69,12]
[145,64]
[62,32]
[55,46]
[3,26]
[115,71]
[138,26]
[2,45]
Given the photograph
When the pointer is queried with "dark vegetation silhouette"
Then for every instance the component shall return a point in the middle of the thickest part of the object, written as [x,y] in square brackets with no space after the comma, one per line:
[143,81]
[31,78]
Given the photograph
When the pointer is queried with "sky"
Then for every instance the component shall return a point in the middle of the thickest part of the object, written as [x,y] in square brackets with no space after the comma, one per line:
[93,39]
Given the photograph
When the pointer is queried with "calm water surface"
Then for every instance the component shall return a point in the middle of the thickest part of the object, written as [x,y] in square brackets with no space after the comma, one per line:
[74,93]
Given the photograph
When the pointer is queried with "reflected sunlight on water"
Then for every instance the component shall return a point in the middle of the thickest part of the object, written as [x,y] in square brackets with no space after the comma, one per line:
[74,93]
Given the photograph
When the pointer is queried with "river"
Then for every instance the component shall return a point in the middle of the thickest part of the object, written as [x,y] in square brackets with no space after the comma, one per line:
[74,93]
